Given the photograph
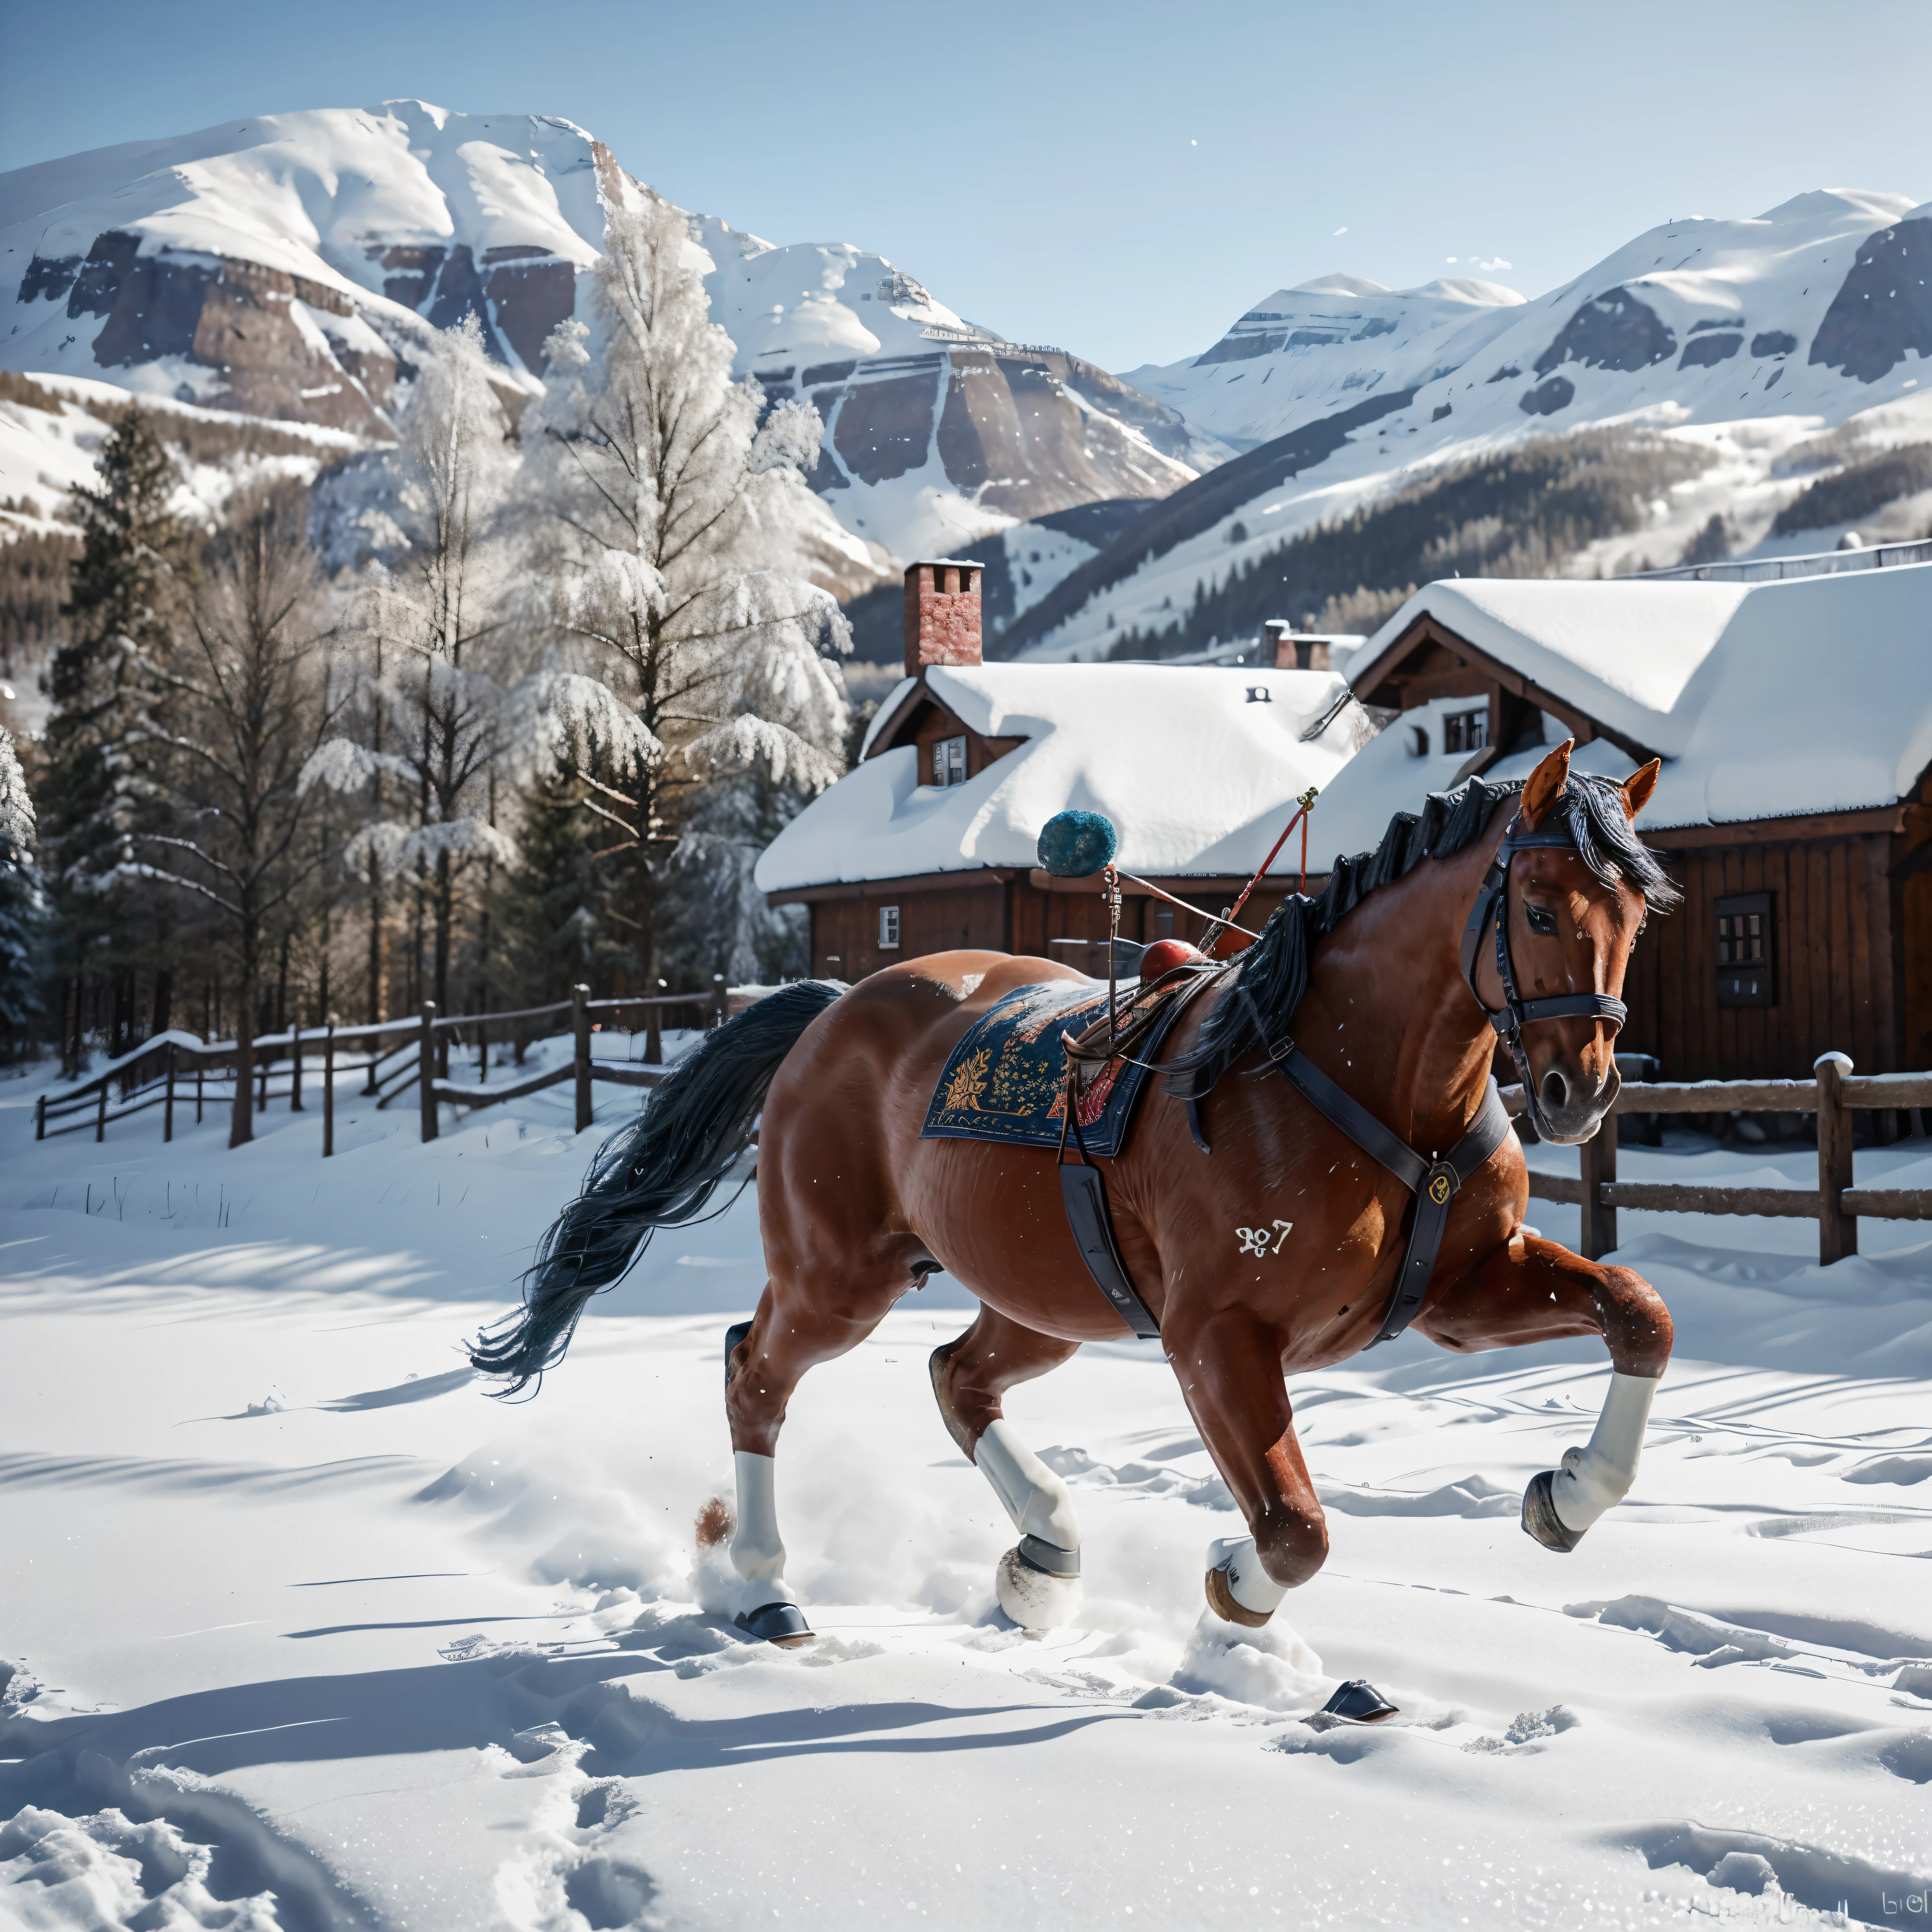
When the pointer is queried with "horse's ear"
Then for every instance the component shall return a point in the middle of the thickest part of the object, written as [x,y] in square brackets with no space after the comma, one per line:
[1546,785]
[1638,787]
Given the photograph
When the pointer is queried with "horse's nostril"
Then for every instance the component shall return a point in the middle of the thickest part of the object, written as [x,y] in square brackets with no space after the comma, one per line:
[1555,1089]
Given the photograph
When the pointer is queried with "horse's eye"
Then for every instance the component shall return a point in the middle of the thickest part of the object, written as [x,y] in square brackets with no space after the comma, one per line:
[1542,920]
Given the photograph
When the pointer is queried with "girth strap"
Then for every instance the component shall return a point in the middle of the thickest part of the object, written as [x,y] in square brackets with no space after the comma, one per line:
[1434,1183]
[1084,1190]
[1083,1187]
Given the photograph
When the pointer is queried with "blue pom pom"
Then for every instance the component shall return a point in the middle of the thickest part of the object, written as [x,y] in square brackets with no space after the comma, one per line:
[1077,844]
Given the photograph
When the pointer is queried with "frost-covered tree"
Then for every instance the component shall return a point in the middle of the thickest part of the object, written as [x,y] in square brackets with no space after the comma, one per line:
[434,713]
[23,902]
[695,653]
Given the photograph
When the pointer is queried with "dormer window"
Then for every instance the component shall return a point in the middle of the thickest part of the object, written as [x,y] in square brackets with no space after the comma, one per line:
[1465,730]
[949,762]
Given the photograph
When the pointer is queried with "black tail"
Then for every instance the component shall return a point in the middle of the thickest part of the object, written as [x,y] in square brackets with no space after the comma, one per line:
[658,1172]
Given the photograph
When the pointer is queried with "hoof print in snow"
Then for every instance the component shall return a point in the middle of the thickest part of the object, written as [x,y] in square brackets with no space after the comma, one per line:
[608,1894]
[538,1742]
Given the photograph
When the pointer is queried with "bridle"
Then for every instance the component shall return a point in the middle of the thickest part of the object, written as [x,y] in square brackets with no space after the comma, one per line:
[1492,908]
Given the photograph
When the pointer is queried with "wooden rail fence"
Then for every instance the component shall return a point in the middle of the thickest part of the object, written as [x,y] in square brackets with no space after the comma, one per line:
[1832,1093]
[390,1057]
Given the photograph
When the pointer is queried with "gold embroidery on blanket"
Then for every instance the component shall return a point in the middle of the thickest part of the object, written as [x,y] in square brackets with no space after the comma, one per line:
[968,1083]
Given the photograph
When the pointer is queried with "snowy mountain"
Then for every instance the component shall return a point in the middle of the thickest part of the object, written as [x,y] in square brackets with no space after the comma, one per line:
[285,267]
[937,432]
[282,267]
[1771,349]
[1308,350]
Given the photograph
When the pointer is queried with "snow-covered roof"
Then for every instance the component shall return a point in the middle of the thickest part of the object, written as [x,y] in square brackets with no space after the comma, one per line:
[1620,651]
[1198,779]
[1764,700]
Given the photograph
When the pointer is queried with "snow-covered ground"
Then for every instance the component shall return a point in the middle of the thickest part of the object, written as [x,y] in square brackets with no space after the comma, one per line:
[304,1632]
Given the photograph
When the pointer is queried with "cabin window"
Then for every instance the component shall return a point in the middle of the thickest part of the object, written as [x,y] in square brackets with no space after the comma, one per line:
[1465,730]
[889,928]
[1747,974]
[949,762]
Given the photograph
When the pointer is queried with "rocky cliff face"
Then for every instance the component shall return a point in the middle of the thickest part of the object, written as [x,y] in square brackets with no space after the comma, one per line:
[290,267]
[261,340]
[286,267]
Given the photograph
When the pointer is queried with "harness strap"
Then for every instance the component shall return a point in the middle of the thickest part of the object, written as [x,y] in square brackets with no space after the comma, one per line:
[1434,1183]
[1355,1120]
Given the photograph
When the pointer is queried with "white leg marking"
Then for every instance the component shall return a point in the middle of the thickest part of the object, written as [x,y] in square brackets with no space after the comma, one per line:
[1596,1479]
[1248,1584]
[1033,1496]
[1038,1502]
[758,1552]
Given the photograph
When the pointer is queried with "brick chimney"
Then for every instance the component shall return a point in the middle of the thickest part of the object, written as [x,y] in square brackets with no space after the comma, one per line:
[1291,650]
[942,614]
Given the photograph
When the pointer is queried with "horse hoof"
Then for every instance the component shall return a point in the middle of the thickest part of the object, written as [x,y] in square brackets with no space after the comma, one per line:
[1034,1599]
[1221,1601]
[1358,1702]
[781,1624]
[1540,1519]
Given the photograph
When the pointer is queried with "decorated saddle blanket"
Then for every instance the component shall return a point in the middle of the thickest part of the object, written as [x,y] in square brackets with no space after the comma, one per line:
[1006,1081]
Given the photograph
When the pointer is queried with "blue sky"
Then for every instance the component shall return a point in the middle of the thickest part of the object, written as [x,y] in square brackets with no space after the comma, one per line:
[1121,180]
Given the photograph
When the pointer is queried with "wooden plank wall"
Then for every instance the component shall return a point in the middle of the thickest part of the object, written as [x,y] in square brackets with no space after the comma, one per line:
[938,921]
[1016,918]
[1835,960]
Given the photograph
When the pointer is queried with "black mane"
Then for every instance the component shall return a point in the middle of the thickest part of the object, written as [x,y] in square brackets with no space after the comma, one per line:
[1273,972]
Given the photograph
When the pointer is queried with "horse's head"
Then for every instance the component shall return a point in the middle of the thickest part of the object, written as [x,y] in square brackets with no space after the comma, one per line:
[1573,917]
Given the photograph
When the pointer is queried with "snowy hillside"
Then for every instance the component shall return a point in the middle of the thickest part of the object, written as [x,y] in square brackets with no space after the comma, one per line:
[285,267]
[1308,350]
[1747,340]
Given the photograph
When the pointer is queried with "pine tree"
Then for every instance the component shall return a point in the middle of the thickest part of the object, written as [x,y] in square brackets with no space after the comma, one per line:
[712,909]
[22,901]
[695,655]
[127,591]
[557,918]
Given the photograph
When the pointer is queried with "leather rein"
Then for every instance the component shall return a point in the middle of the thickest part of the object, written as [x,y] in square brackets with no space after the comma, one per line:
[1434,1181]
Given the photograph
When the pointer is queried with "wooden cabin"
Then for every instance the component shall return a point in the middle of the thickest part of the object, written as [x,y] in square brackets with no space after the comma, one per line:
[929,844]
[1794,722]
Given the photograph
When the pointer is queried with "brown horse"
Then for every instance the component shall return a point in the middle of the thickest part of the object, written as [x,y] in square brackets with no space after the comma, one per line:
[1274,1254]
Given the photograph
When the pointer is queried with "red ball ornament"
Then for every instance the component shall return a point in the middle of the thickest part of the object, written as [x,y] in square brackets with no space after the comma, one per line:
[1164,955]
